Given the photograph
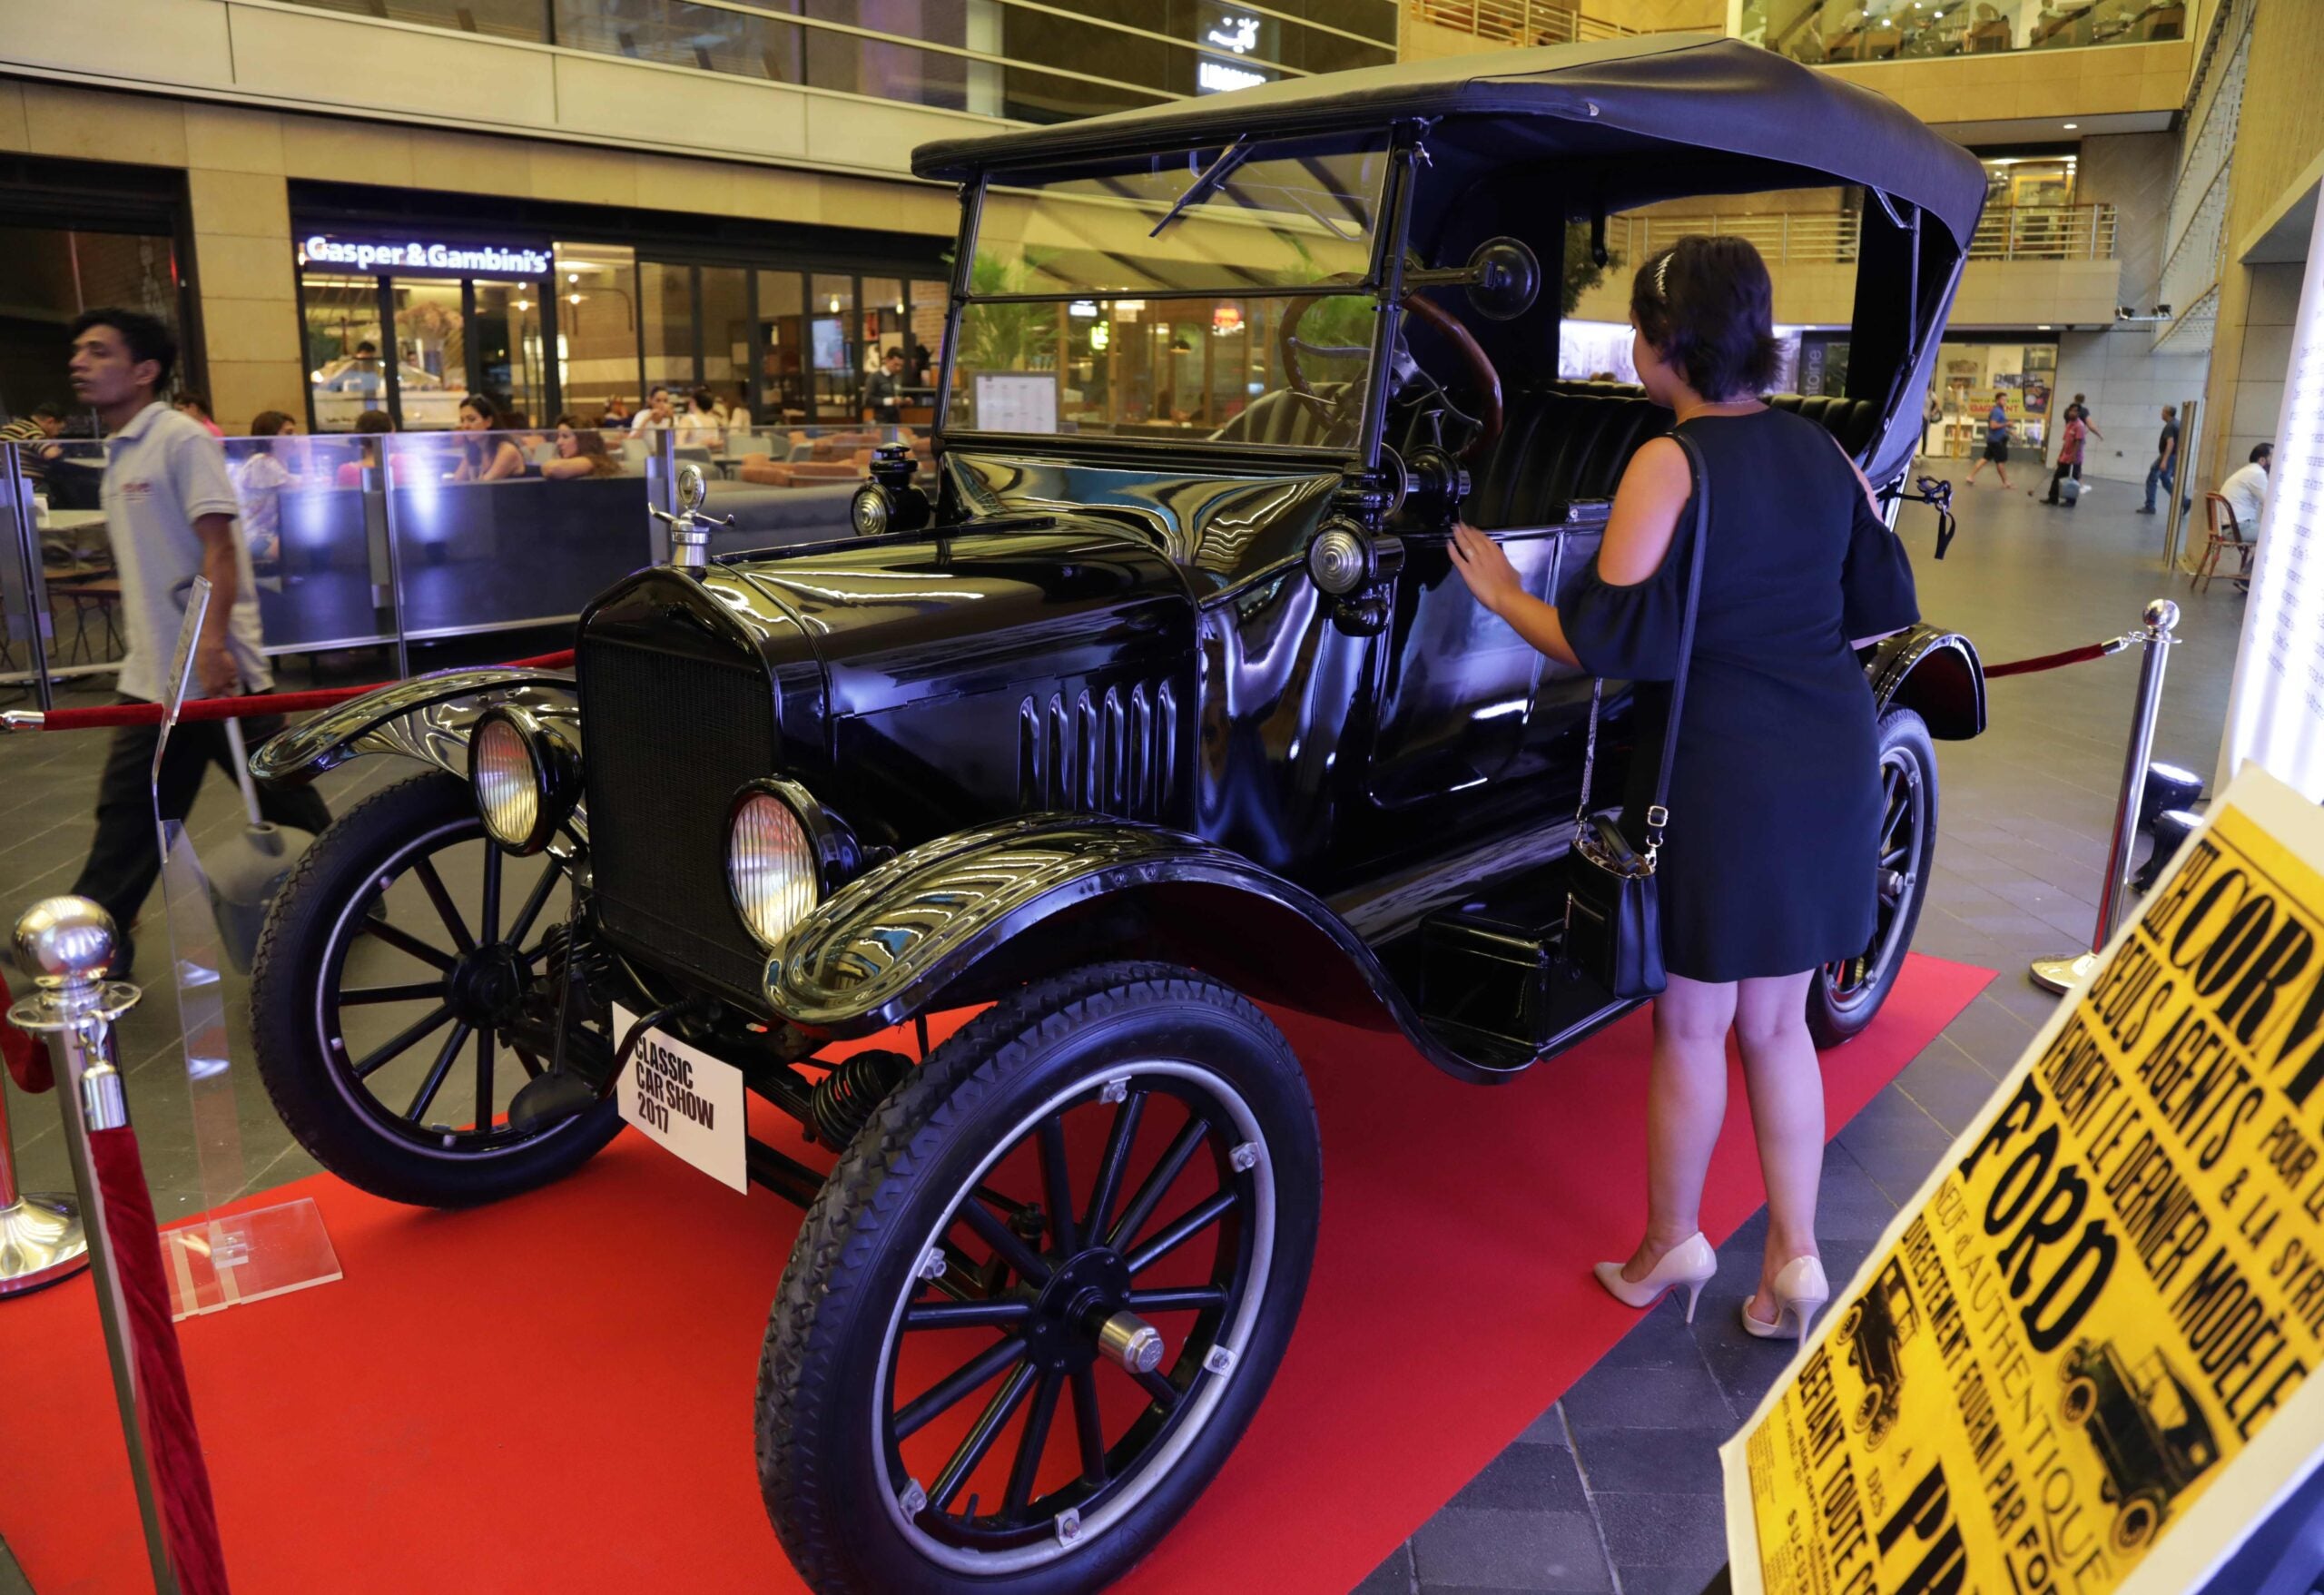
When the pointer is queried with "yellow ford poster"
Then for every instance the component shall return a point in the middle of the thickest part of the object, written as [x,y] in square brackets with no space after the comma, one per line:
[2079,1361]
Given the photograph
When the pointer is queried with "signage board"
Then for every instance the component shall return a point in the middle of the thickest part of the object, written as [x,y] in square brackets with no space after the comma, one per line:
[2078,1363]
[2275,711]
[401,255]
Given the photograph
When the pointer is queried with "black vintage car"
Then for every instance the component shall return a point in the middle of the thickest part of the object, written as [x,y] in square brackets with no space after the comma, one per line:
[1152,699]
[2147,1427]
[1875,1328]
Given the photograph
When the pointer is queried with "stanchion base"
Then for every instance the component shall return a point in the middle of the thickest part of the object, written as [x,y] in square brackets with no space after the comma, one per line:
[2063,974]
[213,1264]
[41,1242]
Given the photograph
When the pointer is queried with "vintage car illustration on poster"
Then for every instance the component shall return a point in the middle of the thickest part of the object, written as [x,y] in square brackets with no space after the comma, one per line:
[2149,1432]
[1876,1329]
[1153,699]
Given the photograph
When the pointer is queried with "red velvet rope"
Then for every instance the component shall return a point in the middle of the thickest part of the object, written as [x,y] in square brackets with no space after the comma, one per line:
[181,1479]
[2048,661]
[25,1056]
[258,703]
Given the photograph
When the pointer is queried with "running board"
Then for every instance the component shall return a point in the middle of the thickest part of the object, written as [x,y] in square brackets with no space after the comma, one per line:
[1490,982]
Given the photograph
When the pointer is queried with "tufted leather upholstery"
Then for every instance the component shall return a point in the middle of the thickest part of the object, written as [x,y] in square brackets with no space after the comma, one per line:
[1570,440]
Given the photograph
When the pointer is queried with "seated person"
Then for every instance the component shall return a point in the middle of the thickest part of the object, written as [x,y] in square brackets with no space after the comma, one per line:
[371,424]
[2246,491]
[258,481]
[580,453]
[485,458]
[702,426]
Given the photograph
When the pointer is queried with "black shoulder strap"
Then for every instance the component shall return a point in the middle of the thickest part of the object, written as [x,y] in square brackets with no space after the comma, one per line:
[1658,815]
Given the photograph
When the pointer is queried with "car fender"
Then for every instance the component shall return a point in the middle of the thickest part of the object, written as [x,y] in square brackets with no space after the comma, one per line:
[931,926]
[427,718]
[1933,673]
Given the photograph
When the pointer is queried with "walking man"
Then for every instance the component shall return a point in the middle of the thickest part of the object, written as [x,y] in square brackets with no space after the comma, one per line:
[2166,458]
[169,510]
[2069,444]
[1996,444]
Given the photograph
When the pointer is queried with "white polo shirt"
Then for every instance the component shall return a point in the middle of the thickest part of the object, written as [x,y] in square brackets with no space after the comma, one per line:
[163,471]
[2247,492]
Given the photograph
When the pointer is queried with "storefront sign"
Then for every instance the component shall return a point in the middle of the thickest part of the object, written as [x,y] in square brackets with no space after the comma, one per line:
[2079,1361]
[2275,712]
[482,260]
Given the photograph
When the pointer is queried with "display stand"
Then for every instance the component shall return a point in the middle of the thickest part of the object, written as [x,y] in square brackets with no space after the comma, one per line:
[219,1259]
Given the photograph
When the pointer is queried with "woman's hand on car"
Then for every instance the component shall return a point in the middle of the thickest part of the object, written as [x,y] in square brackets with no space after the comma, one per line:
[1485,568]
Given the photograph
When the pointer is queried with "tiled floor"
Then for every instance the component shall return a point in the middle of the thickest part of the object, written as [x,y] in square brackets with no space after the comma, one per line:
[1615,1487]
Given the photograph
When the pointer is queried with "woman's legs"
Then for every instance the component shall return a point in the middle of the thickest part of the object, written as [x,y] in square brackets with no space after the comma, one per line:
[1685,1100]
[1786,1086]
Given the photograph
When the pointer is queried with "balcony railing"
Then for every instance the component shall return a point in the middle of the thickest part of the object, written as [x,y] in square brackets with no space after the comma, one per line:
[1848,30]
[1517,23]
[2008,232]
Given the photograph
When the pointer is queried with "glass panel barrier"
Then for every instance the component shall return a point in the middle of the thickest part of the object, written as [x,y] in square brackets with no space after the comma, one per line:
[1887,30]
[318,542]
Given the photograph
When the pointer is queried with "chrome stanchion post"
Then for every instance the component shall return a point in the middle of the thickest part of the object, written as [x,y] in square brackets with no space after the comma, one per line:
[68,944]
[41,1241]
[2057,974]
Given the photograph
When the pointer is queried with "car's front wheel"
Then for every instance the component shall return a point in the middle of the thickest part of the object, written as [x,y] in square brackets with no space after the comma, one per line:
[1041,1296]
[1843,997]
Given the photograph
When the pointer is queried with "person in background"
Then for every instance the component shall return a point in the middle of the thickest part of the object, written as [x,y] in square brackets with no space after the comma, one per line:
[198,406]
[2246,491]
[883,390]
[918,362]
[580,452]
[1931,413]
[617,412]
[170,509]
[2166,458]
[658,416]
[2069,441]
[258,482]
[366,378]
[46,421]
[2082,409]
[1996,443]
[702,426]
[485,458]
[371,424]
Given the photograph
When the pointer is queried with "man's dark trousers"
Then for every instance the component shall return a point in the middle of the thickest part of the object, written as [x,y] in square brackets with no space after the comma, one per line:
[126,856]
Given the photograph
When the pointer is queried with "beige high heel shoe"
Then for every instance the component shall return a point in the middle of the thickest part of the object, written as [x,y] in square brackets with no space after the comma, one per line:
[1800,1291]
[1691,1264]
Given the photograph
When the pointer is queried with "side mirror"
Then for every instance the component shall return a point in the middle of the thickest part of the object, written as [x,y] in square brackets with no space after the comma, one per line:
[1506,278]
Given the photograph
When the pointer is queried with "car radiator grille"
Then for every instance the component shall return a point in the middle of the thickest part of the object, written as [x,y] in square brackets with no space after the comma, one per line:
[666,741]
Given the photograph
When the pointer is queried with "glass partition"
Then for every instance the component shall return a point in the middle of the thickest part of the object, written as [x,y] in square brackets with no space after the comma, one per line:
[597,331]
[1887,30]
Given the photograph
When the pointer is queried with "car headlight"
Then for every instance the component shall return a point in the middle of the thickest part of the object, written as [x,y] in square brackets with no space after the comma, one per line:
[525,776]
[783,849]
[869,512]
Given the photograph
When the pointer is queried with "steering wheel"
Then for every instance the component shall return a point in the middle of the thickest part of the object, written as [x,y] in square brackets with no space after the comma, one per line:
[1487,380]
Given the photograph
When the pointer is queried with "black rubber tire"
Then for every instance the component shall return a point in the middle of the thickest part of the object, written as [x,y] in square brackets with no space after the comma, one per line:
[1831,1020]
[819,1467]
[293,1059]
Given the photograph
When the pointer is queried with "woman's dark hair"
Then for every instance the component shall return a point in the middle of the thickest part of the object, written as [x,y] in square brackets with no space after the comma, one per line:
[199,401]
[1707,307]
[589,444]
[480,454]
[485,404]
[376,421]
[147,336]
[704,401]
[269,423]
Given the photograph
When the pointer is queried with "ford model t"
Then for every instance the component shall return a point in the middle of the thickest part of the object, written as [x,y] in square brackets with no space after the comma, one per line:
[1149,698]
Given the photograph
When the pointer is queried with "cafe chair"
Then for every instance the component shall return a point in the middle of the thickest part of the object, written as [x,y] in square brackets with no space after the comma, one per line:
[2220,513]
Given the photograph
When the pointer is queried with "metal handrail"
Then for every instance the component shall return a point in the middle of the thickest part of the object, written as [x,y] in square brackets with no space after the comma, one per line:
[1521,23]
[2007,233]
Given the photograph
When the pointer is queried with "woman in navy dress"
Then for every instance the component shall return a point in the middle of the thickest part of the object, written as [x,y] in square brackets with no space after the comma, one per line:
[1767,867]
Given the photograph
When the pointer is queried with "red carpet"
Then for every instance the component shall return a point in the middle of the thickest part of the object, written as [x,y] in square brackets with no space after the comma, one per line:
[556,1393]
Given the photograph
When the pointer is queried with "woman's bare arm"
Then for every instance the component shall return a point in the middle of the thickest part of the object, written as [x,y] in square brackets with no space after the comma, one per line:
[1873,499]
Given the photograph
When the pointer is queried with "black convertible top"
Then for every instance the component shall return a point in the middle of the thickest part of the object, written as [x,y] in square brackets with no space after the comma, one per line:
[1674,91]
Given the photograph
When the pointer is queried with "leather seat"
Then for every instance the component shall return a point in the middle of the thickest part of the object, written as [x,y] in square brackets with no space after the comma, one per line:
[1565,441]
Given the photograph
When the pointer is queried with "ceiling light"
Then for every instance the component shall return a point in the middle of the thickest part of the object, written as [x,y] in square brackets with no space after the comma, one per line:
[2044,327]
[2072,125]
[573,298]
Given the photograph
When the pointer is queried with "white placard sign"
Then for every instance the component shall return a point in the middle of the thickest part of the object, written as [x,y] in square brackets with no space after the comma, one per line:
[687,1100]
[1011,401]
[2275,714]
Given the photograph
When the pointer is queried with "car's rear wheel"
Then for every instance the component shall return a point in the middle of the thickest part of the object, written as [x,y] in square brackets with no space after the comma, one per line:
[1844,997]
[1041,1296]
[398,1001]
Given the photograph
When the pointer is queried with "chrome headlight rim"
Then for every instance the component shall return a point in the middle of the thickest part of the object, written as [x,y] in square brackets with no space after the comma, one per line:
[552,767]
[830,850]
[874,504]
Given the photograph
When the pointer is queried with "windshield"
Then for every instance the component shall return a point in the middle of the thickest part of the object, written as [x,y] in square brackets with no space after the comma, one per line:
[1207,293]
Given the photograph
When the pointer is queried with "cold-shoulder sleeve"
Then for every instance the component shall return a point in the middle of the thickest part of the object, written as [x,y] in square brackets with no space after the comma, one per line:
[1631,632]
[1876,580]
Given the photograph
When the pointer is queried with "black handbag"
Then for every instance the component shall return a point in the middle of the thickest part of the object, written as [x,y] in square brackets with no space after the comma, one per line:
[1613,919]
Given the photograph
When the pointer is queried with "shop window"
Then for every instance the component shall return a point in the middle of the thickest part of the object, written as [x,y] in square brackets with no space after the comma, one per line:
[1971,378]
[666,309]
[727,332]
[784,368]
[597,326]
[835,357]
[48,276]
[431,373]
[346,372]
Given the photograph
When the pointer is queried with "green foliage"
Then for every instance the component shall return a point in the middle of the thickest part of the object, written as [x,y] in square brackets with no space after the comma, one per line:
[1581,272]
[1008,338]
